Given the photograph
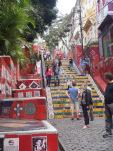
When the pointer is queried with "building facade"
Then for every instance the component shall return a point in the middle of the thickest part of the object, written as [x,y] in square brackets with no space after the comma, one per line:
[90,34]
[105,27]
[84,32]
[105,36]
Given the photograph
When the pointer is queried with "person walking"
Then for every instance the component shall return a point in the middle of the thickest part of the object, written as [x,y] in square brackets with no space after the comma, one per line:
[48,74]
[91,115]
[59,63]
[87,69]
[70,63]
[69,84]
[57,75]
[86,104]
[83,66]
[73,94]
[108,95]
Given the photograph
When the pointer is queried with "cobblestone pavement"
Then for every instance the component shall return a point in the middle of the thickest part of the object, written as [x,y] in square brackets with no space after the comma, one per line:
[74,138]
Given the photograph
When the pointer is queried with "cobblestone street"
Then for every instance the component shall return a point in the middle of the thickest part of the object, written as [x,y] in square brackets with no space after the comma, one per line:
[74,138]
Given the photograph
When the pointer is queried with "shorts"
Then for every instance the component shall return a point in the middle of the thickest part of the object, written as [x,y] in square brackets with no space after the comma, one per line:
[73,101]
[75,104]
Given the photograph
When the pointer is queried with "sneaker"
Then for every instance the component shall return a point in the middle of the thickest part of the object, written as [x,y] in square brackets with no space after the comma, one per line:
[106,135]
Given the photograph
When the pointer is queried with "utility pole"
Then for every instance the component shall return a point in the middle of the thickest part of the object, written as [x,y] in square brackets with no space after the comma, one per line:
[81,26]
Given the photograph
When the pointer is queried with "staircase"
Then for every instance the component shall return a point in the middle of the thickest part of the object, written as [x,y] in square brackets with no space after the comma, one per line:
[60,100]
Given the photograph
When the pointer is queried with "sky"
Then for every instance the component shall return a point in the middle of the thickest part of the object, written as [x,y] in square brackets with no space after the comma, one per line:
[65,6]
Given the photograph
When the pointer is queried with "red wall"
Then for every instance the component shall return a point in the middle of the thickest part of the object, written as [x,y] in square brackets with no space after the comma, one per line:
[26,141]
[78,54]
[8,76]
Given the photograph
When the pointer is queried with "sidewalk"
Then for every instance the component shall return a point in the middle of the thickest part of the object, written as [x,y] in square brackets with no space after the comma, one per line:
[74,138]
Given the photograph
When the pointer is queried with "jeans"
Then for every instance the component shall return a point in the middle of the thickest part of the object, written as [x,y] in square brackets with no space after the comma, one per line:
[108,117]
[91,112]
[48,78]
[57,79]
[85,114]
[75,105]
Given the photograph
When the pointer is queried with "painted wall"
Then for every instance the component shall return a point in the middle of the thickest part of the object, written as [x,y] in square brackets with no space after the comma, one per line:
[90,31]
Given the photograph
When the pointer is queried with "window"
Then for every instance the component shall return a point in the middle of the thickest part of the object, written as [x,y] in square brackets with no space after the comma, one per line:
[111,41]
[105,44]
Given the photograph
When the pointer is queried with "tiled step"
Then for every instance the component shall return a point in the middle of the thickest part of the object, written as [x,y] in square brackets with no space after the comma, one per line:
[61,102]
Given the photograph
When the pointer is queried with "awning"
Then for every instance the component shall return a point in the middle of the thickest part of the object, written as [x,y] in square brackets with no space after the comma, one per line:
[107,21]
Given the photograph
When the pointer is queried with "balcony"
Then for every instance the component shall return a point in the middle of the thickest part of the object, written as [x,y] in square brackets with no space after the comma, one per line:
[106,10]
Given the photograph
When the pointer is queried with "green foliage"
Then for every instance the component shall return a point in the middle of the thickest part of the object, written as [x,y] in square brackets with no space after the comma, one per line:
[20,20]
[13,22]
[44,13]
[57,31]
[47,3]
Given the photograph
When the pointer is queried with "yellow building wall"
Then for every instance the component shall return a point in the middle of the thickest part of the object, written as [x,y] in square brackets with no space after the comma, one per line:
[88,8]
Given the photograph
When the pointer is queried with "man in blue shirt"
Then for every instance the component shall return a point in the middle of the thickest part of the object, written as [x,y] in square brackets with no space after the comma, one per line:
[73,94]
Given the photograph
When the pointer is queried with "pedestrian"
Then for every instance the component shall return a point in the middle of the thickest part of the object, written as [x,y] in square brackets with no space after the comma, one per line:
[70,63]
[54,64]
[45,57]
[83,66]
[69,84]
[108,104]
[88,88]
[86,103]
[59,63]
[48,74]
[56,60]
[87,68]
[73,94]
[57,75]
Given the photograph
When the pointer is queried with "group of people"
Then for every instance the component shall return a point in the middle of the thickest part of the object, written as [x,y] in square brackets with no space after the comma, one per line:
[81,97]
[84,65]
[54,71]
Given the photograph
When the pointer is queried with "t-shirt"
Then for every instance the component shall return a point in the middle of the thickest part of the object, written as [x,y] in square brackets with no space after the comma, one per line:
[49,72]
[109,94]
[83,62]
[73,92]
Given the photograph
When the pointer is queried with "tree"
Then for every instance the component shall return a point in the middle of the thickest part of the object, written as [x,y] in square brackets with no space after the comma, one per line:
[20,20]
[44,13]
[57,32]
[14,18]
